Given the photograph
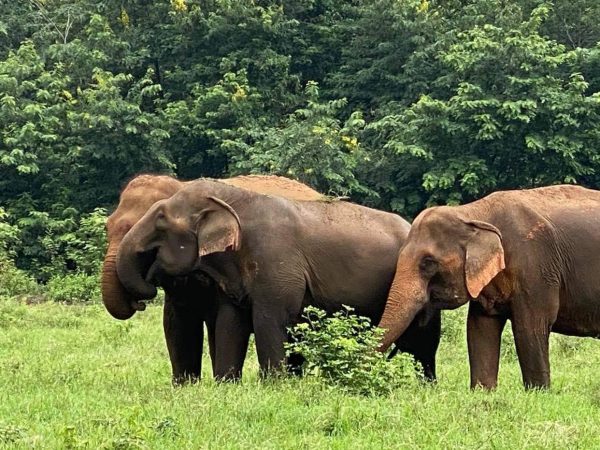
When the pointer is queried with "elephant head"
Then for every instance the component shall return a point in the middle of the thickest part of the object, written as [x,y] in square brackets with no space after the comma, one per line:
[172,236]
[446,261]
[137,197]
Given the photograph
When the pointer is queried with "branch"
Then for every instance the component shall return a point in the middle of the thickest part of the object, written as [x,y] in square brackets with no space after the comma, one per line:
[568,34]
[44,14]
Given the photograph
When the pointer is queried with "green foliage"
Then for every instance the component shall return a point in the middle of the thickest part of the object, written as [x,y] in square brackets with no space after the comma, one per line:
[202,125]
[74,288]
[15,282]
[9,235]
[311,145]
[571,23]
[341,350]
[395,104]
[384,36]
[54,244]
[516,114]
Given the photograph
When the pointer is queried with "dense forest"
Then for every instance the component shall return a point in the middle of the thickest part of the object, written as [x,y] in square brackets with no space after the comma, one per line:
[396,104]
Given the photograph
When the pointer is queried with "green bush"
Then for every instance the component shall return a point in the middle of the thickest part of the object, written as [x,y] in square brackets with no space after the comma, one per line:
[454,325]
[60,242]
[341,350]
[74,288]
[14,282]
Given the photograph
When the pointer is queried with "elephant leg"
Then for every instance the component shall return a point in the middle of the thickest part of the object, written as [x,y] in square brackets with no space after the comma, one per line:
[184,332]
[484,334]
[531,328]
[276,306]
[232,333]
[270,335]
[422,341]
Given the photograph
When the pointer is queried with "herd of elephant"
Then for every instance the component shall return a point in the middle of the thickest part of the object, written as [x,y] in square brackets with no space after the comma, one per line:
[245,255]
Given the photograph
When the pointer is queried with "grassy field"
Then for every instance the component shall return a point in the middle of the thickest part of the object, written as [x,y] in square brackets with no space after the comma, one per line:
[71,377]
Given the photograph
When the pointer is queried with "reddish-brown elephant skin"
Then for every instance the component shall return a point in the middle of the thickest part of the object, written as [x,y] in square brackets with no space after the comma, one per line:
[528,256]
[195,299]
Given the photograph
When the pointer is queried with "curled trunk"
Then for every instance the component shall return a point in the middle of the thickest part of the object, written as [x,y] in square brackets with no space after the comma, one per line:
[116,299]
[133,263]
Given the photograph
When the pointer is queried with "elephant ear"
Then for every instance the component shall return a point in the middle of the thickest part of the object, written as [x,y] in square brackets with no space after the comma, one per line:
[484,257]
[218,228]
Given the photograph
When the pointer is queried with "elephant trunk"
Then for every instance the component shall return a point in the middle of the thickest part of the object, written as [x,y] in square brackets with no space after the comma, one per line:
[117,301]
[408,296]
[133,262]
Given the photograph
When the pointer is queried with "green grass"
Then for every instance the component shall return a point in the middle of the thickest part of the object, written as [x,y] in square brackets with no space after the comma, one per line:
[72,377]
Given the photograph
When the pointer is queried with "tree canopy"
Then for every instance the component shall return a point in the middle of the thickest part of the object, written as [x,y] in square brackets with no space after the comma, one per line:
[396,104]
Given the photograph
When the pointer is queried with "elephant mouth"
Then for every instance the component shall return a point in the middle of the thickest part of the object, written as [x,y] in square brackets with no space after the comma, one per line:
[154,273]
[147,261]
[442,302]
[159,275]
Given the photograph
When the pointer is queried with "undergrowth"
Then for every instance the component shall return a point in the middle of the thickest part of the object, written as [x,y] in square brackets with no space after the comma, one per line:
[340,349]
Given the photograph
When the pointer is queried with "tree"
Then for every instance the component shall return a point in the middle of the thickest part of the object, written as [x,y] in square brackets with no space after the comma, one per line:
[518,116]
[311,144]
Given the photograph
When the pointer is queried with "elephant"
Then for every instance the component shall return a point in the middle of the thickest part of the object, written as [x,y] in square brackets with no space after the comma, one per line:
[184,315]
[530,256]
[269,257]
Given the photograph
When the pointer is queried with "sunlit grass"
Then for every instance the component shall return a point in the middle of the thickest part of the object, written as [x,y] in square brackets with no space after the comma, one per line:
[70,376]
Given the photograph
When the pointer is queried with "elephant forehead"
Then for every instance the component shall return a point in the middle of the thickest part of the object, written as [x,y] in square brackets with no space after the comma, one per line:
[182,202]
[119,224]
[178,223]
[432,219]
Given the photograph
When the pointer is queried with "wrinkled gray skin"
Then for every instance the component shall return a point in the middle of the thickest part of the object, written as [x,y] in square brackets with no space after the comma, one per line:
[270,257]
[531,256]
[189,300]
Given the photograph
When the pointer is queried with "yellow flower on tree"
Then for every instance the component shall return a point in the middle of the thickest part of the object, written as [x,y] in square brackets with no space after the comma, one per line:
[124,18]
[239,94]
[179,5]
[350,142]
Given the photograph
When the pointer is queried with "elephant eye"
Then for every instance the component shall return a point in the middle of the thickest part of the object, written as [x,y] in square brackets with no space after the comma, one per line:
[428,265]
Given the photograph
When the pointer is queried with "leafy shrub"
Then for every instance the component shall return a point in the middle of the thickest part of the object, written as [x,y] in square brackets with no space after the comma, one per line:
[74,288]
[341,350]
[454,325]
[58,242]
[9,234]
[14,282]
